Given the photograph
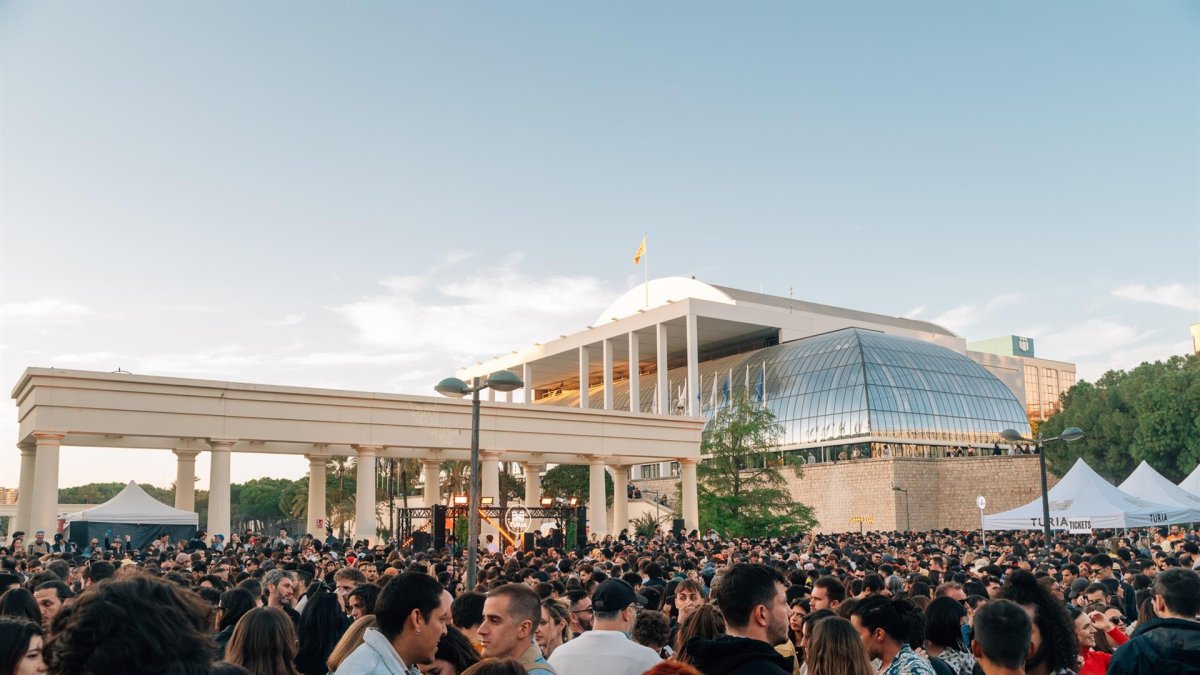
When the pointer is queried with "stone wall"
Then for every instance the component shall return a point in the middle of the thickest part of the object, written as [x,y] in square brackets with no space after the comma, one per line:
[941,492]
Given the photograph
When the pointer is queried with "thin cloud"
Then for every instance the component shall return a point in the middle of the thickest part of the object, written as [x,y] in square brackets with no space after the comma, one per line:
[45,310]
[1170,295]
[958,318]
[1091,338]
[1127,359]
[288,320]
[489,312]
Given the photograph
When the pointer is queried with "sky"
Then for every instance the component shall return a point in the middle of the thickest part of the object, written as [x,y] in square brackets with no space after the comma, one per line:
[369,195]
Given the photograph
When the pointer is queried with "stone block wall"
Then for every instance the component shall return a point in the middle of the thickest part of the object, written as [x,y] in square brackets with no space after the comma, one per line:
[941,492]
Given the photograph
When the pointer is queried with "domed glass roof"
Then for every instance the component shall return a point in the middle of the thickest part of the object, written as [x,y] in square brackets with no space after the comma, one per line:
[853,383]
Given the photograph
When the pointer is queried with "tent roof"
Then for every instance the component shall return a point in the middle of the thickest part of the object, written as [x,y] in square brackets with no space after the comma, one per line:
[1192,482]
[1149,484]
[1083,501]
[133,505]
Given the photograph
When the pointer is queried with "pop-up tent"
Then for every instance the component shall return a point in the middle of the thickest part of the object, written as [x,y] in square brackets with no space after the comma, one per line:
[1192,482]
[1083,501]
[132,512]
[1150,485]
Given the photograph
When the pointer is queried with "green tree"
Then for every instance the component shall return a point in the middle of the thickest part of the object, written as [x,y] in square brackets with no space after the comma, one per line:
[1150,413]
[742,491]
[572,480]
[98,493]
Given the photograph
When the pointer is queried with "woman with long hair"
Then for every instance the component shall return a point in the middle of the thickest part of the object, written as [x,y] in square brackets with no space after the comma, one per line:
[264,643]
[233,606]
[351,639]
[18,603]
[944,619]
[454,654]
[702,622]
[321,626]
[553,630]
[20,647]
[835,648]
[1094,662]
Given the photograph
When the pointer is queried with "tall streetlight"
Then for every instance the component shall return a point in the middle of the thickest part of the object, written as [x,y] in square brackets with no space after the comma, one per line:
[907,513]
[453,387]
[1069,434]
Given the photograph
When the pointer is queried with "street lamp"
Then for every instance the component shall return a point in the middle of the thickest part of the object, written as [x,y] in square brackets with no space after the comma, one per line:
[453,387]
[907,513]
[1069,434]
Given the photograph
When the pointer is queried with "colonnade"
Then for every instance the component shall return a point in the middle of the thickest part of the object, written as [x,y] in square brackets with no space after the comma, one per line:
[38,490]
[608,348]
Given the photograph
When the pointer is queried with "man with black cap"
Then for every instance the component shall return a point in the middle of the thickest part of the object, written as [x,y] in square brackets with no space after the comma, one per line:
[607,649]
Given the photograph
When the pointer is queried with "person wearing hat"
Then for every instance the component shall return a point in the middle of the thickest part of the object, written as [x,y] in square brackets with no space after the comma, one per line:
[607,648]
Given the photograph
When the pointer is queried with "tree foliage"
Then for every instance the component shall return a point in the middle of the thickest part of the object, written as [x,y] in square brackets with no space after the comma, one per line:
[572,480]
[1150,413]
[742,491]
[98,493]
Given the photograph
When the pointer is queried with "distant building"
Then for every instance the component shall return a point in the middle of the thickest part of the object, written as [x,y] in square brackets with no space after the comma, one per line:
[1196,339]
[842,382]
[1039,383]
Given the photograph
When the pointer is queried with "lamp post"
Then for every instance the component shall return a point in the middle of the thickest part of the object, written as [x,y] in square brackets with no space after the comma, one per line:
[907,513]
[1068,435]
[502,380]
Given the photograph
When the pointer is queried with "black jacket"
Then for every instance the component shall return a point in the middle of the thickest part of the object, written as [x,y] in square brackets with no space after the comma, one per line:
[1160,647]
[727,655]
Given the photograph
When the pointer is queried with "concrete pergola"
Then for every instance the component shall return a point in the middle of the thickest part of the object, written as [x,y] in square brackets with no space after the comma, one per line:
[188,416]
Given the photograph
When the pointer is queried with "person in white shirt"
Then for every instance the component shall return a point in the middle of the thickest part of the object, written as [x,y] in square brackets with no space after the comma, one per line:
[607,648]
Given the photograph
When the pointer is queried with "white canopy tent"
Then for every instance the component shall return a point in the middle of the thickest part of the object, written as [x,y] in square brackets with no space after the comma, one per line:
[1192,482]
[132,515]
[1083,501]
[1149,484]
[133,505]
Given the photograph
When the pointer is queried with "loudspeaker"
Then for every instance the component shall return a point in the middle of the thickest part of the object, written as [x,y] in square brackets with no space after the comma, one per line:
[528,541]
[439,526]
[421,541]
[677,527]
[581,531]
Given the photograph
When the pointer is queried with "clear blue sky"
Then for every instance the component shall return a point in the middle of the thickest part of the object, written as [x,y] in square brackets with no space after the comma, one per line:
[338,194]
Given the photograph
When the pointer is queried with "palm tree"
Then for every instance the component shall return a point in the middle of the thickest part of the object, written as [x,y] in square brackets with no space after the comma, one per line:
[457,478]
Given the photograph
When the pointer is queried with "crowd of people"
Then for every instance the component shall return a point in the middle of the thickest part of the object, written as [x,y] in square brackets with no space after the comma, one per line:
[875,603]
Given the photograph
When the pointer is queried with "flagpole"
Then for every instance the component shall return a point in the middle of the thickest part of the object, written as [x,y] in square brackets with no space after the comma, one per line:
[646,273]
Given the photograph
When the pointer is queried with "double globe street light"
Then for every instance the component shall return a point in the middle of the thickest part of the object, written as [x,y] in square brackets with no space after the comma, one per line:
[453,387]
[1069,435]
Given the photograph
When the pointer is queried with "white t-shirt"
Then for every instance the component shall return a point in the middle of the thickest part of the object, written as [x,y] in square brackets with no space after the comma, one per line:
[603,652]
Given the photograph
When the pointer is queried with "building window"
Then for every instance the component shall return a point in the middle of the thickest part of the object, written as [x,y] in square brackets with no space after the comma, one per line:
[651,471]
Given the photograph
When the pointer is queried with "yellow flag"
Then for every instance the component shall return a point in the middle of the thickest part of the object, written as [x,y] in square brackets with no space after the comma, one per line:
[637,257]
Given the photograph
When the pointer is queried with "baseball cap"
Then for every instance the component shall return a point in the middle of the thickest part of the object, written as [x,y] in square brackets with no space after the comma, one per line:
[613,595]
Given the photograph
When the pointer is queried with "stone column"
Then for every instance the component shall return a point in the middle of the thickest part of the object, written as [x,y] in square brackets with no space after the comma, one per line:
[431,469]
[597,509]
[608,374]
[45,484]
[583,377]
[218,488]
[527,378]
[25,488]
[635,392]
[691,509]
[490,487]
[693,367]
[317,520]
[364,495]
[620,499]
[664,385]
[185,478]
[533,484]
